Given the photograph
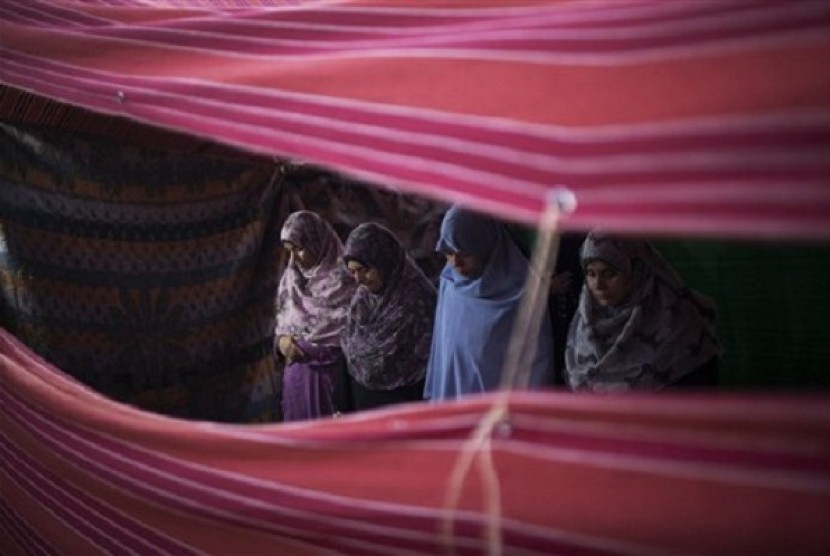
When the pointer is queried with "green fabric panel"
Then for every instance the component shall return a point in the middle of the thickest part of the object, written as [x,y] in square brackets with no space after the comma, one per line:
[773,302]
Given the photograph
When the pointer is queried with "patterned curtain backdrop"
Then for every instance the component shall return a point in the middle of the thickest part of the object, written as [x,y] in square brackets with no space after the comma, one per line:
[150,274]
[146,274]
[346,203]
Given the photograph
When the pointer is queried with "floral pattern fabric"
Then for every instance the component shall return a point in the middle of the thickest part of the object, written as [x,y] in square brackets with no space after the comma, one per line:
[313,303]
[388,333]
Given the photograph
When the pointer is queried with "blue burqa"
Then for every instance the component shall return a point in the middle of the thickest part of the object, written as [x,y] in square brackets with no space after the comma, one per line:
[475,316]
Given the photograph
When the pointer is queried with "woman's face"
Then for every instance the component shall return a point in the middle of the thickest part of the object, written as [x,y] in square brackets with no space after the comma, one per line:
[608,286]
[468,266]
[367,277]
[303,256]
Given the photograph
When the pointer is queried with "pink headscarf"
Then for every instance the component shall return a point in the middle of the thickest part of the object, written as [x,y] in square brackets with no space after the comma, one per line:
[313,303]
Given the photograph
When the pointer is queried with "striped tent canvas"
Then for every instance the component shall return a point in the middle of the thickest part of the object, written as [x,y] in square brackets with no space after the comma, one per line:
[705,117]
[503,474]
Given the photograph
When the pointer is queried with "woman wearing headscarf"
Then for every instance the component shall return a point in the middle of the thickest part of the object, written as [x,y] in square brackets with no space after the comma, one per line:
[638,327]
[312,307]
[481,287]
[388,331]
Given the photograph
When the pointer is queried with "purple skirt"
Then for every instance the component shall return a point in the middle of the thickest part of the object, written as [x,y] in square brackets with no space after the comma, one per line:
[308,385]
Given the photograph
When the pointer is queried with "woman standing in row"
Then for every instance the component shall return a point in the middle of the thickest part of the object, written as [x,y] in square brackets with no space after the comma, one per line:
[481,287]
[312,308]
[638,327]
[389,327]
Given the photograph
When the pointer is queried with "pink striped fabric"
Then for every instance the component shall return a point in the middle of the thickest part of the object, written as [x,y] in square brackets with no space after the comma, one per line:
[593,475]
[709,117]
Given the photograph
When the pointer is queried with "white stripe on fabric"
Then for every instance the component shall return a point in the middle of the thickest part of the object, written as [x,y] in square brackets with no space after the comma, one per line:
[674,435]
[533,30]
[700,125]
[48,503]
[581,136]
[733,474]
[715,47]
[554,535]
[61,13]
[114,532]
[353,525]
[736,475]
[679,162]
[21,531]
[590,10]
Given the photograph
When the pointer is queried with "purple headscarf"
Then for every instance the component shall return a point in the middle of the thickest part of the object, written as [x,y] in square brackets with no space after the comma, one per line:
[313,303]
[388,334]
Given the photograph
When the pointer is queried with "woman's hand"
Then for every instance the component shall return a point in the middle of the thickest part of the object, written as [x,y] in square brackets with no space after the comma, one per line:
[290,350]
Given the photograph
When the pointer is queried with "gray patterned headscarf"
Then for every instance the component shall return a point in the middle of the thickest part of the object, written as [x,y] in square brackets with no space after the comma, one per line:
[662,332]
[388,333]
[313,303]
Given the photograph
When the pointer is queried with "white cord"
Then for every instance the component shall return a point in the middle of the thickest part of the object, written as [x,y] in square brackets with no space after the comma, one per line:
[515,374]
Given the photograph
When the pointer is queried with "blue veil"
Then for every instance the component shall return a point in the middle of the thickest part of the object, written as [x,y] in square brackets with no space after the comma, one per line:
[475,316]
